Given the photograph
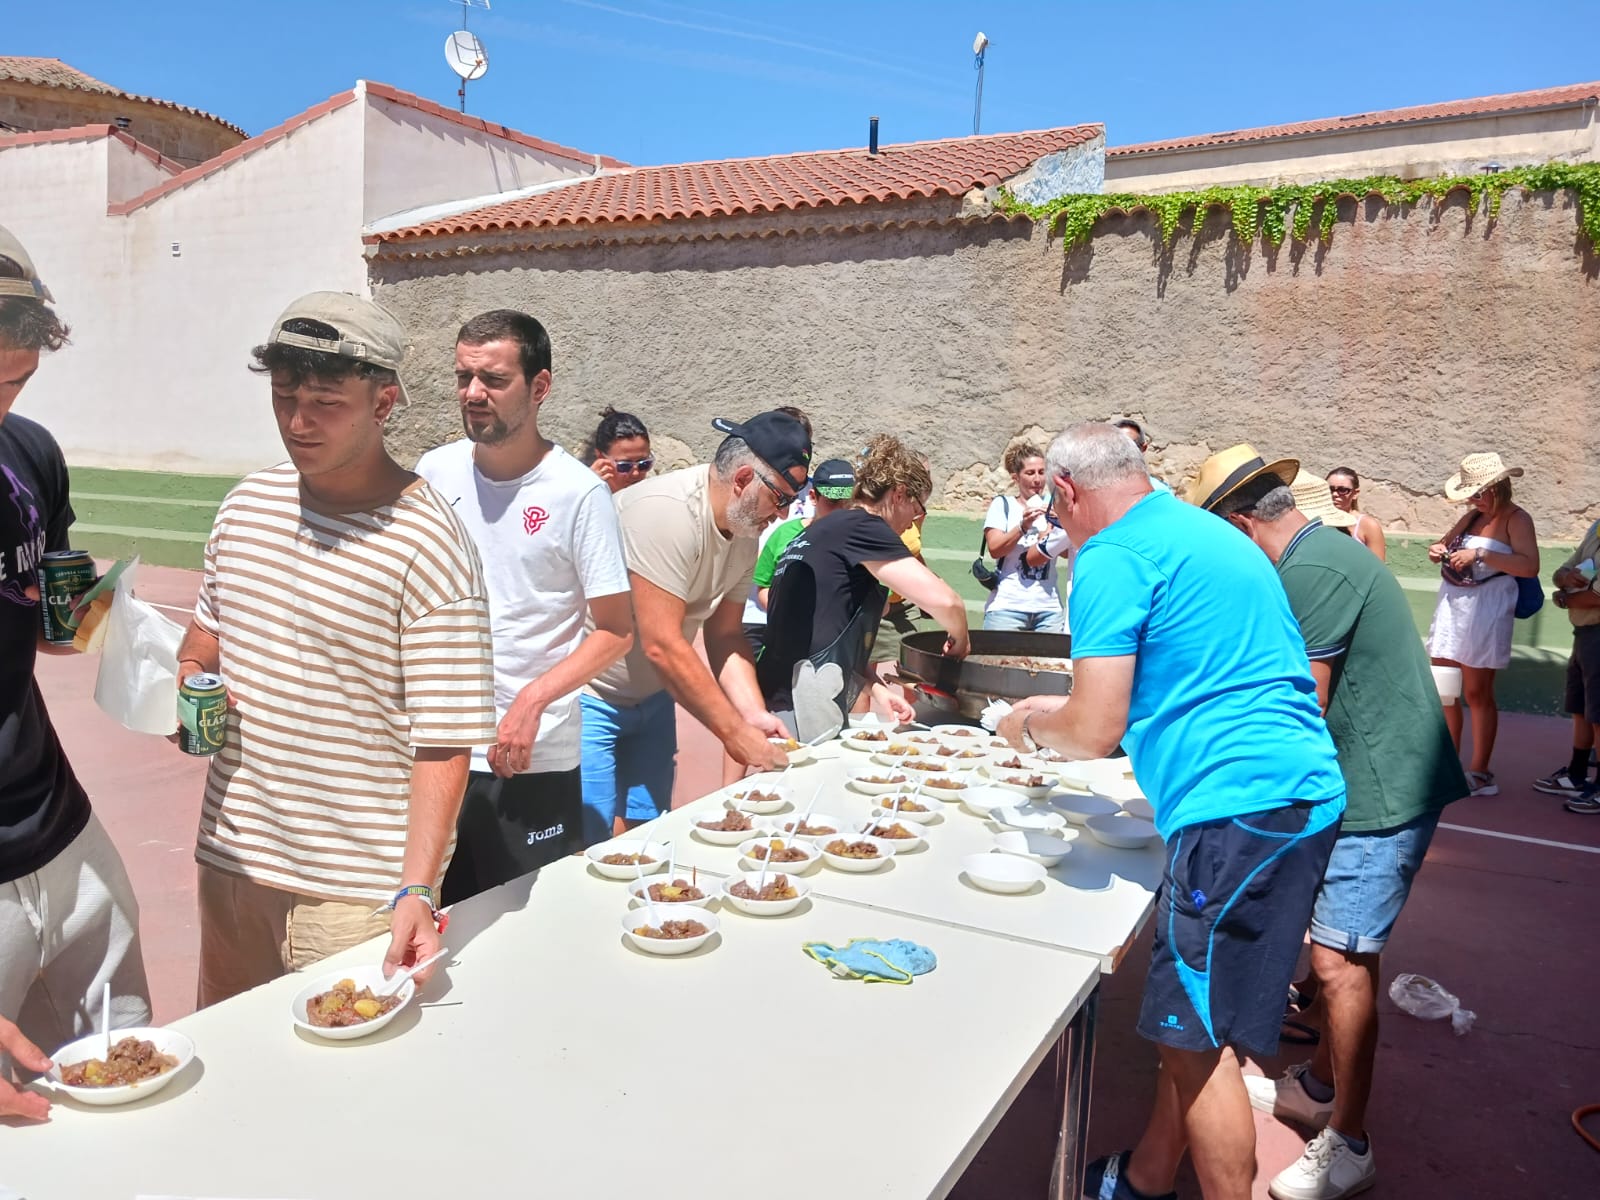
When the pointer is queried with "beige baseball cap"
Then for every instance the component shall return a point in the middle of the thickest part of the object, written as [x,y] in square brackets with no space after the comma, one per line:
[366,332]
[30,285]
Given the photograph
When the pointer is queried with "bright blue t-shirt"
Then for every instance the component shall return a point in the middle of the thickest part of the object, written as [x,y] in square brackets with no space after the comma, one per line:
[1224,718]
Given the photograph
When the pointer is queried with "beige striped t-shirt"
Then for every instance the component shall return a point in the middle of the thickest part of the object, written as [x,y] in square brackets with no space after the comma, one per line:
[347,640]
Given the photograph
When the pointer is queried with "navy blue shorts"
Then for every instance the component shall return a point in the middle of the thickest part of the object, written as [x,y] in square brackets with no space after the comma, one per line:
[1233,912]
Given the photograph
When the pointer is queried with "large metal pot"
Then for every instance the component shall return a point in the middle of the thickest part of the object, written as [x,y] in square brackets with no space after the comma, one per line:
[965,686]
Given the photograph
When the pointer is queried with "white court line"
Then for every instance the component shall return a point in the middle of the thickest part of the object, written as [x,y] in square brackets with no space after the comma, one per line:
[1517,837]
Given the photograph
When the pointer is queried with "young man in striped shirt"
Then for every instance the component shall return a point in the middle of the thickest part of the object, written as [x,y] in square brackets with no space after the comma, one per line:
[344,607]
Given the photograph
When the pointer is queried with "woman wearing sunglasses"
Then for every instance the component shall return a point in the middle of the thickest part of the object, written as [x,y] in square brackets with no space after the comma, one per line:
[1346,488]
[619,451]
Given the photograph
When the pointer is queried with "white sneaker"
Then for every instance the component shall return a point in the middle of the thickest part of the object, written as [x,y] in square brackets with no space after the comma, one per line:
[1287,1099]
[1482,783]
[1327,1170]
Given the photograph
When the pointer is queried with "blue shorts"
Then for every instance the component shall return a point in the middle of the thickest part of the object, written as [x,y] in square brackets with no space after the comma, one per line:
[1368,879]
[1025,622]
[1230,921]
[630,760]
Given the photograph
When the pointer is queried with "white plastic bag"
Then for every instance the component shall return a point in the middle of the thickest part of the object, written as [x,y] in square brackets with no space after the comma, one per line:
[138,680]
[1422,997]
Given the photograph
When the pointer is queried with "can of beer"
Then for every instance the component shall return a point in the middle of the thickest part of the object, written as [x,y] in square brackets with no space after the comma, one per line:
[203,714]
[64,576]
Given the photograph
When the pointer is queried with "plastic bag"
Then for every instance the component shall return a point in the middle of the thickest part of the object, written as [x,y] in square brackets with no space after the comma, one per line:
[138,680]
[1422,997]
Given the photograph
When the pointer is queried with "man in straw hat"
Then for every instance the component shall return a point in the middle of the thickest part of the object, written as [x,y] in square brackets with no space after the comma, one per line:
[1185,651]
[69,924]
[343,606]
[1376,690]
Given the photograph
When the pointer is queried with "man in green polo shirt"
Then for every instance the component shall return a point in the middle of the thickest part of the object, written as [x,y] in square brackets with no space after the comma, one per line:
[1400,768]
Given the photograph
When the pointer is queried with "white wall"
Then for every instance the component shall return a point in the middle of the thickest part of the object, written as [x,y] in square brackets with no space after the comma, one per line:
[131,173]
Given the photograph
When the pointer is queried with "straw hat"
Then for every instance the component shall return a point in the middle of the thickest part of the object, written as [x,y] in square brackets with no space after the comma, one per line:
[1313,498]
[1477,472]
[1226,471]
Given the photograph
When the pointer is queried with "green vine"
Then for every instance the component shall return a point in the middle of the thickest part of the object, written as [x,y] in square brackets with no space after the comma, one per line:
[1268,212]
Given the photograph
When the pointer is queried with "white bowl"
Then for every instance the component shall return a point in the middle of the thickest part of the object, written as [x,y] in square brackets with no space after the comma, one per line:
[724,837]
[884,808]
[859,865]
[1046,849]
[959,734]
[760,807]
[778,826]
[896,753]
[925,740]
[1042,821]
[362,977]
[965,758]
[982,801]
[856,739]
[1119,791]
[1031,764]
[1083,774]
[765,908]
[709,889]
[1003,873]
[1079,809]
[799,756]
[1140,807]
[790,868]
[1015,781]
[949,795]
[859,781]
[167,1041]
[926,767]
[635,917]
[1122,831]
[899,845]
[651,850]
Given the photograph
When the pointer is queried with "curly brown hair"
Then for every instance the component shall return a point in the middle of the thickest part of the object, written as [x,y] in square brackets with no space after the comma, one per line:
[25,323]
[887,464]
[1018,453]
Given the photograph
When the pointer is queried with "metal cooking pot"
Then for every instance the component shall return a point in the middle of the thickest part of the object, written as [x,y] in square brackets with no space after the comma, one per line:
[964,686]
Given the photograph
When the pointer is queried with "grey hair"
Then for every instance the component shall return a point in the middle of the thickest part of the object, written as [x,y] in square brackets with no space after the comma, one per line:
[1095,456]
[734,453]
[1266,498]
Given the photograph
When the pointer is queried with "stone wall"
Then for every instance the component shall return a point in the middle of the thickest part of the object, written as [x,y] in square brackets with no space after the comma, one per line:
[186,138]
[1416,337]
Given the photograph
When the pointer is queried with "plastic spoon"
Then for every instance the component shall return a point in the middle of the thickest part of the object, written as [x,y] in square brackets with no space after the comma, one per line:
[398,979]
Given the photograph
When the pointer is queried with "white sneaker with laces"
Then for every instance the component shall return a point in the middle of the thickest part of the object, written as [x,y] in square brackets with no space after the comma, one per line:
[1287,1099]
[1328,1170]
[1482,783]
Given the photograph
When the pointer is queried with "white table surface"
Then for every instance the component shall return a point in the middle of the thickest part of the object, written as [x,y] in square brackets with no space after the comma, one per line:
[1094,902]
[562,1062]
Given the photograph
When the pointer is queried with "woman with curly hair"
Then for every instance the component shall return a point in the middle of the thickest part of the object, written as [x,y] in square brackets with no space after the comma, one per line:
[1025,544]
[828,589]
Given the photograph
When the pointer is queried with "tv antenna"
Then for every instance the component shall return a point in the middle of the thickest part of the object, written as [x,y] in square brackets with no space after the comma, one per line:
[980,47]
[464,52]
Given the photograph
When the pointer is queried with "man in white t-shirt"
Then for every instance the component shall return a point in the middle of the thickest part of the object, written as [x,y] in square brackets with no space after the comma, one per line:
[547,534]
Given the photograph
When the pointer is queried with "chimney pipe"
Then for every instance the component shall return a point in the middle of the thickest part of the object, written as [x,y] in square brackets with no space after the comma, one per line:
[872,136]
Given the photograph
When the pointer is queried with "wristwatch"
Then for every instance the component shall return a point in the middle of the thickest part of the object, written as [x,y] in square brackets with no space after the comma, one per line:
[1027,736]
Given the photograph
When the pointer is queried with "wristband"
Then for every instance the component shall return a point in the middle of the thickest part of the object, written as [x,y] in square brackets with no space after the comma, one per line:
[424,892]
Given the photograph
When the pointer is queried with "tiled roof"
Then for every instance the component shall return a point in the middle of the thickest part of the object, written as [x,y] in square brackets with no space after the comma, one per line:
[1558,97]
[910,170]
[85,133]
[52,72]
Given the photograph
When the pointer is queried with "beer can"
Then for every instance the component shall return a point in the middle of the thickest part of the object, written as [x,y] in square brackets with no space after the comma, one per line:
[203,712]
[64,576]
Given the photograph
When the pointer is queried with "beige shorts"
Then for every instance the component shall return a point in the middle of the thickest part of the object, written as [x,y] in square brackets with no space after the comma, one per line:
[251,934]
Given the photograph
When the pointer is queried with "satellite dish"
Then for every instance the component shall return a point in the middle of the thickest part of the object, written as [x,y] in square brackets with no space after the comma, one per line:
[466,55]
[980,43]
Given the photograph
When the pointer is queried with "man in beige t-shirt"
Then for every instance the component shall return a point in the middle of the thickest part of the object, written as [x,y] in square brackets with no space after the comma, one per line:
[690,538]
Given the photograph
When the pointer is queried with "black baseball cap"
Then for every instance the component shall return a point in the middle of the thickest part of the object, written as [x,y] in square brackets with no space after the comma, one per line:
[776,438]
[835,479]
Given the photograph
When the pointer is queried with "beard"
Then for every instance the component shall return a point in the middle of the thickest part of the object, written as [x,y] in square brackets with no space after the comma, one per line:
[742,519]
[489,428]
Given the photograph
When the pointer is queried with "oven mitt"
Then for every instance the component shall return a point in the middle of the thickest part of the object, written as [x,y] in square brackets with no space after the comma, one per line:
[815,693]
[893,961]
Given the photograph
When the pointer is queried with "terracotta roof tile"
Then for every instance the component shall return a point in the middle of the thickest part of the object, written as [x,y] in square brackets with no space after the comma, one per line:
[52,72]
[949,167]
[1578,93]
[85,133]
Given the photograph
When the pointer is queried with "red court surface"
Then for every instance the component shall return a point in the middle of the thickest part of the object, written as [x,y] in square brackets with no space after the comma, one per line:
[1508,925]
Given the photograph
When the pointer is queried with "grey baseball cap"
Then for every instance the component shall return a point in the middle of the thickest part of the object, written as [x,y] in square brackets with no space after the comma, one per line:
[30,285]
[366,332]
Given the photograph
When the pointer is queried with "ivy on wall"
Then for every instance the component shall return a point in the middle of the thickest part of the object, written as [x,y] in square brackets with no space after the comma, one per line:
[1291,209]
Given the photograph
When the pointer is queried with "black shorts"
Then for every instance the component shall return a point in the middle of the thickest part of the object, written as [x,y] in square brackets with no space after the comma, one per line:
[756,634]
[1233,912]
[1583,674]
[509,827]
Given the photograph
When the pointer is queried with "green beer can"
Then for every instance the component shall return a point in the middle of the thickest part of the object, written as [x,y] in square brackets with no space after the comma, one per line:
[64,576]
[202,714]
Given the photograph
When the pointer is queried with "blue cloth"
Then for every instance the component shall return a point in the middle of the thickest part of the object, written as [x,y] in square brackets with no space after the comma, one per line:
[1223,720]
[892,961]
[1025,622]
[629,761]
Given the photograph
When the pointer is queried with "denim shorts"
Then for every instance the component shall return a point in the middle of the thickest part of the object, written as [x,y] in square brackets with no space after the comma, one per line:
[1368,879]
[1025,622]
[630,758]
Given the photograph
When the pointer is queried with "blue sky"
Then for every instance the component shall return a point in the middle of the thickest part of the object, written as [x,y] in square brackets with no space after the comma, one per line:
[650,81]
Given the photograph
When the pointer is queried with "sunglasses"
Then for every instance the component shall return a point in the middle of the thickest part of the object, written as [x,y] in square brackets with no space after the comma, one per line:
[627,466]
[1342,491]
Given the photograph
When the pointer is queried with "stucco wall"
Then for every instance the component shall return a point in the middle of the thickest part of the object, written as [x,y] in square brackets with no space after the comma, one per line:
[187,137]
[1408,343]
[1414,151]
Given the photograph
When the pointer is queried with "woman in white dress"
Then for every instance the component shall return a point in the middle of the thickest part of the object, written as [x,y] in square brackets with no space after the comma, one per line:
[1345,485]
[1480,560]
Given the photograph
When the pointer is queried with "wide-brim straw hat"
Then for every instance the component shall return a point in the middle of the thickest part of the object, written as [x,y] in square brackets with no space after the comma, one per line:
[1314,499]
[1226,471]
[1477,472]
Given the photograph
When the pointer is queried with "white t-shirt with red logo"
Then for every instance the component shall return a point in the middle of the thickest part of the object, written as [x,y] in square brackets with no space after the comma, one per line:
[549,542]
